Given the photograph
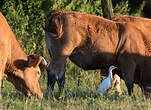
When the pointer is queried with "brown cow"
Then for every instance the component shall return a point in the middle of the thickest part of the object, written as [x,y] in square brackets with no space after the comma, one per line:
[18,68]
[92,42]
[143,24]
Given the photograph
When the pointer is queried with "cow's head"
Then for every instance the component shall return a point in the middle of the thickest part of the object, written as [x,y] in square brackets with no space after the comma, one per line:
[55,43]
[26,75]
[60,44]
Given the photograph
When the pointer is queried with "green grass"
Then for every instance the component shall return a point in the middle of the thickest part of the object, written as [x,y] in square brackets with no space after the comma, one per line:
[78,94]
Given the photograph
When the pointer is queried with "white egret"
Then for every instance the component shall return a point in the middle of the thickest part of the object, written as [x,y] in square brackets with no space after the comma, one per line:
[106,83]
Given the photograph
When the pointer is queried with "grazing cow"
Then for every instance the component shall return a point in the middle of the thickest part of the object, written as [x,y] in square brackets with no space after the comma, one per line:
[93,42]
[20,69]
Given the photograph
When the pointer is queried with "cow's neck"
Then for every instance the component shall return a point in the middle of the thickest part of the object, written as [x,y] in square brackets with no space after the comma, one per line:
[17,60]
[16,51]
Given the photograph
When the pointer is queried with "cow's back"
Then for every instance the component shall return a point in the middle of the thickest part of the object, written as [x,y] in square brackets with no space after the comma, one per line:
[5,40]
[143,24]
[4,30]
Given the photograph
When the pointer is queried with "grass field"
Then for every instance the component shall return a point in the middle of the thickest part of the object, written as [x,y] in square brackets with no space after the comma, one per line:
[78,94]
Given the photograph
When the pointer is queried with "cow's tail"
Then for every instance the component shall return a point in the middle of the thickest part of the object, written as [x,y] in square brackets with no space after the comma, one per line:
[54,26]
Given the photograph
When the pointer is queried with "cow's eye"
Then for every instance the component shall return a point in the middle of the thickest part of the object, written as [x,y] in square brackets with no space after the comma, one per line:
[38,73]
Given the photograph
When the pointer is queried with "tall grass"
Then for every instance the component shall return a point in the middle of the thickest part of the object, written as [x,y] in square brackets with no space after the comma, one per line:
[79,94]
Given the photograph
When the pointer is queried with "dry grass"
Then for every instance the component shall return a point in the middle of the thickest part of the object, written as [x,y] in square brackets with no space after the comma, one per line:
[79,94]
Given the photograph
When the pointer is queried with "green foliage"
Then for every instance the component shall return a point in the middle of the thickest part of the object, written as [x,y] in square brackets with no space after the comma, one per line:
[140,9]
[26,20]
[122,8]
[86,6]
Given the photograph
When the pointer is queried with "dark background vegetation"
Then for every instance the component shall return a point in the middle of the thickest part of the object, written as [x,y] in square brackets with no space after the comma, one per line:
[26,18]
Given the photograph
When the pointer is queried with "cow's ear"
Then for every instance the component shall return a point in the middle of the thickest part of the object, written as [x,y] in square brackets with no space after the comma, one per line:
[34,60]
[54,27]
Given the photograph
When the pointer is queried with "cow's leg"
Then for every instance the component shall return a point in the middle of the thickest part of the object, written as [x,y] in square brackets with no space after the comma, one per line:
[1,78]
[116,83]
[61,80]
[128,67]
[51,80]
[112,84]
[56,72]
[3,60]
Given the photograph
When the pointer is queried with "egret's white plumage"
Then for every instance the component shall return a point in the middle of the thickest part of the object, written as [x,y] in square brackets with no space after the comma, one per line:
[106,83]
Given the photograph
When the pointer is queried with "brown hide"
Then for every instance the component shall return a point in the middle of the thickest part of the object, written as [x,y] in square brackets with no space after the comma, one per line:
[21,70]
[92,42]
[144,25]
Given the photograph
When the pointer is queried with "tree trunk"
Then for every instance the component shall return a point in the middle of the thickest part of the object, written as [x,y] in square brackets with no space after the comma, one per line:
[107,8]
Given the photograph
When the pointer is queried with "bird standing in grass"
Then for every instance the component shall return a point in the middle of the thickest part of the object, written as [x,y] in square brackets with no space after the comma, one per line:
[106,83]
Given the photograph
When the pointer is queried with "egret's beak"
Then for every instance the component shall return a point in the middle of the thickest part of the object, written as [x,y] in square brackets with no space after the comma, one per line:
[115,67]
